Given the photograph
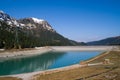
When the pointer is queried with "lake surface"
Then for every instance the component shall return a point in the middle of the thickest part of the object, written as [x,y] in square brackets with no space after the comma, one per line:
[45,61]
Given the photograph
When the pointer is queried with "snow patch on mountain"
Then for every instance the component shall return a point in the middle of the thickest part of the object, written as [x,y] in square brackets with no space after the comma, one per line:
[1,19]
[9,20]
[28,23]
[48,27]
[1,11]
[22,24]
[36,20]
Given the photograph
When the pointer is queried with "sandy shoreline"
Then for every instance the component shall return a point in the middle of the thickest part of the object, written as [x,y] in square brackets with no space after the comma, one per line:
[41,50]
[83,48]
[23,53]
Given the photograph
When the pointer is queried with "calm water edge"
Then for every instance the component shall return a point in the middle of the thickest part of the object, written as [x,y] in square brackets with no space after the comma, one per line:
[45,61]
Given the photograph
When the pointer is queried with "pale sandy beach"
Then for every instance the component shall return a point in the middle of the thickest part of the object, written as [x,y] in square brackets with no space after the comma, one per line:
[23,53]
[83,48]
[41,50]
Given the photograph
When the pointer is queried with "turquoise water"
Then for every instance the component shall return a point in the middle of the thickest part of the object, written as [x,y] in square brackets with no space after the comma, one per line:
[45,61]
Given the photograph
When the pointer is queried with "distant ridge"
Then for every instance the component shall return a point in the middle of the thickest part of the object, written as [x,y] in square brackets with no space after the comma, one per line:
[107,41]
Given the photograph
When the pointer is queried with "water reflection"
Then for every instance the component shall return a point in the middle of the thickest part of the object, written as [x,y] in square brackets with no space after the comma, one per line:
[36,63]
[45,61]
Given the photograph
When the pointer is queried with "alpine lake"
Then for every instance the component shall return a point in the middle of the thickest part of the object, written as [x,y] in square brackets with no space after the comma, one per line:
[45,61]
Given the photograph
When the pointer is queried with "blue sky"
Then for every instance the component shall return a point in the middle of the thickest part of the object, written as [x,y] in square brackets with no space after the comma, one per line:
[80,20]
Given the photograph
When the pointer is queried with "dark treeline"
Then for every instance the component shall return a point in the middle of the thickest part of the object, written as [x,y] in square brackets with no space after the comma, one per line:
[15,37]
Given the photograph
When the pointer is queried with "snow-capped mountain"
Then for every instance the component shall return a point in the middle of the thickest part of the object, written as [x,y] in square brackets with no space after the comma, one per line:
[29,32]
[35,23]
[36,20]
[28,23]
[8,19]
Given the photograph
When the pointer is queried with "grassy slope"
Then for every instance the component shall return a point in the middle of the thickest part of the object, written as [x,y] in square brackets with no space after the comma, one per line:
[114,73]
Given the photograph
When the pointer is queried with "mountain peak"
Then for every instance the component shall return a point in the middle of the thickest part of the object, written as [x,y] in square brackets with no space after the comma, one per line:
[36,20]
[29,23]
[8,19]
[1,11]
[29,33]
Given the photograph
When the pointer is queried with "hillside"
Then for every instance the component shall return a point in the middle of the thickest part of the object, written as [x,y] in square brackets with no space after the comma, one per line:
[107,41]
[29,33]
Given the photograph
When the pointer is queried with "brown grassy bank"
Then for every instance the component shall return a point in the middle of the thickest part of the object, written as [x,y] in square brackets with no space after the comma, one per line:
[99,72]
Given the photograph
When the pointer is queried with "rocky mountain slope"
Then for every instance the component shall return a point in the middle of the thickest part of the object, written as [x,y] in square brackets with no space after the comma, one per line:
[29,32]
